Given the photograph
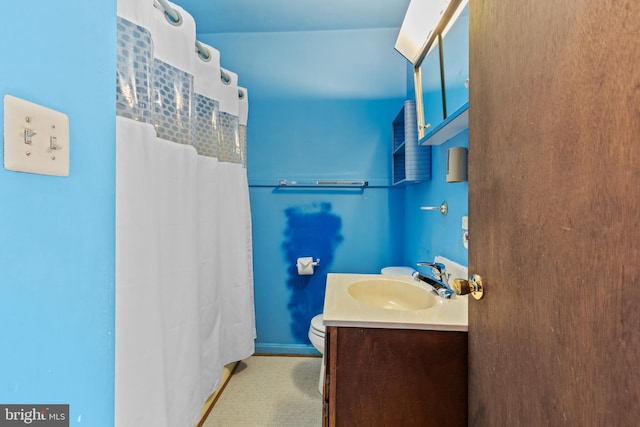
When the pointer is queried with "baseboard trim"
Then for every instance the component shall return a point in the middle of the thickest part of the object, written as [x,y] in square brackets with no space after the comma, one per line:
[286,349]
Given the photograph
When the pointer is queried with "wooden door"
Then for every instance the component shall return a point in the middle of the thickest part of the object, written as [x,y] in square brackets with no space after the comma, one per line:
[554,211]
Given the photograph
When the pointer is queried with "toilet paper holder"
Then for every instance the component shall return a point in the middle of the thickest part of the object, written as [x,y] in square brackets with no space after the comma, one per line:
[305,260]
[306,265]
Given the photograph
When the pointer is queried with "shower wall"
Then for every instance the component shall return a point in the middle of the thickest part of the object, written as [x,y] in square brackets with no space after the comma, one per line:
[322,104]
[57,233]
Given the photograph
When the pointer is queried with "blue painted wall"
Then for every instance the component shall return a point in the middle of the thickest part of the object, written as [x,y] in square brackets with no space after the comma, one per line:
[320,107]
[57,234]
[428,233]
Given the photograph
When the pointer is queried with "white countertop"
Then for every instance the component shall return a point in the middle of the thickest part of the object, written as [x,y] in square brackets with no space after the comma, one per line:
[341,309]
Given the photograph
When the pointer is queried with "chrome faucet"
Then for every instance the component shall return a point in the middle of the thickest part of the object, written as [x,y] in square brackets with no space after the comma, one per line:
[438,283]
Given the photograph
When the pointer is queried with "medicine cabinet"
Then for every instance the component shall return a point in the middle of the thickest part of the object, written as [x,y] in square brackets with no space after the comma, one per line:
[441,78]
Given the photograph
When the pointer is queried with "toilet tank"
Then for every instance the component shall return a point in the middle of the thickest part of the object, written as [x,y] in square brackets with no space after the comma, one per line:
[397,271]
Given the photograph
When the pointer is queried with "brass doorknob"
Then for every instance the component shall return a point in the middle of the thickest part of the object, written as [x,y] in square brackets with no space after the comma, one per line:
[472,286]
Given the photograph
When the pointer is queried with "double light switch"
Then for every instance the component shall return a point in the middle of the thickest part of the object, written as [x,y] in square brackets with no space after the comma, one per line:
[36,138]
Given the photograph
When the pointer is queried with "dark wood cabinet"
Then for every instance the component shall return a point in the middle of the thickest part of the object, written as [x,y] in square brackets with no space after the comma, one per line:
[394,377]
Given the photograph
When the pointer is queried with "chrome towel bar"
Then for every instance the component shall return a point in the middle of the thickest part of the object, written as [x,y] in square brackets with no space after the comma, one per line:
[318,183]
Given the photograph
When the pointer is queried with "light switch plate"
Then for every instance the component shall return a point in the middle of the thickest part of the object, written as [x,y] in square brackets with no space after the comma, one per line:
[36,138]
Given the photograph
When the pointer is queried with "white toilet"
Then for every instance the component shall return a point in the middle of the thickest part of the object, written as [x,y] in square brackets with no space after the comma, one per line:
[316,336]
[317,329]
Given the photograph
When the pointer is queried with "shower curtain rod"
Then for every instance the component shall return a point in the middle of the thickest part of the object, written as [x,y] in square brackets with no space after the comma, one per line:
[169,10]
[202,51]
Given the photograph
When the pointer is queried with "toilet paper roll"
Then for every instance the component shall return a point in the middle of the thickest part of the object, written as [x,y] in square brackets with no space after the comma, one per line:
[305,266]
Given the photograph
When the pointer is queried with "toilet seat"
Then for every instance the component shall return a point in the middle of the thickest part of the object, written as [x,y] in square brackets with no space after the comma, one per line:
[317,327]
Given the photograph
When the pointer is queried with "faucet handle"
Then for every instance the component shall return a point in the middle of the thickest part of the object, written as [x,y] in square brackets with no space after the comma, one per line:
[438,266]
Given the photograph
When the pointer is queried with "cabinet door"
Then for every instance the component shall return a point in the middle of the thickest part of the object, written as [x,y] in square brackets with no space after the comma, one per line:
[431,89]
[328,391]
[396,377]
[455,46]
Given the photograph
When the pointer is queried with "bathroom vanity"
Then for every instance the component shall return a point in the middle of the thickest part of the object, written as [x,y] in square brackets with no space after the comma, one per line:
[390,362]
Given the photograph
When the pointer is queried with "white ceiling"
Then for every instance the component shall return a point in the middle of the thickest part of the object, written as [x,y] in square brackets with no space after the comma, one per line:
[248,16]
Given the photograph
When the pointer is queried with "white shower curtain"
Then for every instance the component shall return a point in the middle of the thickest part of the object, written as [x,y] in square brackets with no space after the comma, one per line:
[184,281]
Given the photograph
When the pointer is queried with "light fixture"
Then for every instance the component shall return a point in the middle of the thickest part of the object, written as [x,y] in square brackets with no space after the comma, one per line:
[422,22]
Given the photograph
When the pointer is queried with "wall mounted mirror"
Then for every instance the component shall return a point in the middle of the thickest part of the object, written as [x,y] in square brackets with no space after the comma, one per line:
[455,48]
[429,83]
[429,69]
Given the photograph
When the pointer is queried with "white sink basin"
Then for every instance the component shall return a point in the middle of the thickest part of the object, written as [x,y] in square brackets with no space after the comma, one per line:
[391,294]
[381,301]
